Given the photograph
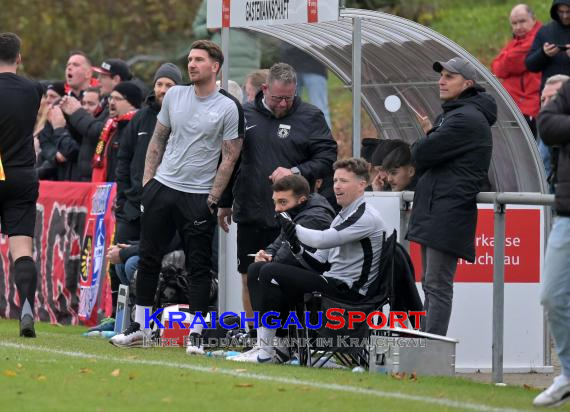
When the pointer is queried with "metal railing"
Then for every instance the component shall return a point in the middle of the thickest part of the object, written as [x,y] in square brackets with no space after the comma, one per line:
[499,200]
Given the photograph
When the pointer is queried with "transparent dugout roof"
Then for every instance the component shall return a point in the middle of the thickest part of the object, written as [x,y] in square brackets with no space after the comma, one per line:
[397,57]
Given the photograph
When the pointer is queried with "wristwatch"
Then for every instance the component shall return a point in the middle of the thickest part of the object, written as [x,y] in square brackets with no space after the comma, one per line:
[295,170]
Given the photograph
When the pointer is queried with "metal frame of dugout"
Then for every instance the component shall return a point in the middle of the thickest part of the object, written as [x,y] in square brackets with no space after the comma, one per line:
[377,55]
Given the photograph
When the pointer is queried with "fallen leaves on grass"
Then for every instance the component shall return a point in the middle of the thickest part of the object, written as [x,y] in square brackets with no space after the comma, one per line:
[132,376]
[398,376]
[529,387]
[243,385]
[116,373]
[10,373]
[413,376]
[85,370]
[41,378]
[19,366]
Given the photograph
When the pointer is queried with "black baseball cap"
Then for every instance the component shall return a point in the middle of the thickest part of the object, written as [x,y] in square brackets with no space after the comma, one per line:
[115,67]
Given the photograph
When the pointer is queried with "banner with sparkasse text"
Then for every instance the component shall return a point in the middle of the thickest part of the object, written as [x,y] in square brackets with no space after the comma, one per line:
[522,249]
[74,226]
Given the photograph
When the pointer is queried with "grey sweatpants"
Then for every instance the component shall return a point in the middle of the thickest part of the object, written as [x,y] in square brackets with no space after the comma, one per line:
[437,283]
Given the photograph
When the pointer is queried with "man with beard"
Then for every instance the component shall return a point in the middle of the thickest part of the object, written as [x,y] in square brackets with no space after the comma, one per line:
[182,184]
[284,136]
[130,165]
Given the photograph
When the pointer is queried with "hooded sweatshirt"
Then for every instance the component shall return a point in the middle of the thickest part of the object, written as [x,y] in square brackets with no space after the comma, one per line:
[556,33]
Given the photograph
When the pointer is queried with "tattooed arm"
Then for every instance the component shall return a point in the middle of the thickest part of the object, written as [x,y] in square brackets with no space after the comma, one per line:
[155,151]
[230,153]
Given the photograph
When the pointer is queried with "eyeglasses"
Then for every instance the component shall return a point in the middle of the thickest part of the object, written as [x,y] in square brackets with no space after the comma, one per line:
[116,98]
[278,99]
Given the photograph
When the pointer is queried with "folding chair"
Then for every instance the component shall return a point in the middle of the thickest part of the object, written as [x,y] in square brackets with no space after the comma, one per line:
[380,293]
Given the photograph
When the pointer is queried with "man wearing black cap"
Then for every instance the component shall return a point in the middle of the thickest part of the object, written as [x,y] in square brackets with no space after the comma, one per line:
[130,165]
[19,184]
[452,163]
[111,73]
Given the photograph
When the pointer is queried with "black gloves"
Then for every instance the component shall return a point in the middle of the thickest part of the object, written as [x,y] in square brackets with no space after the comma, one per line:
[289,231]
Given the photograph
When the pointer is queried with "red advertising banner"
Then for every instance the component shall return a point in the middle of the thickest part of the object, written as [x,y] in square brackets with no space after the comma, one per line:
[522,249]
[226,13]
[63,210]
[312,11]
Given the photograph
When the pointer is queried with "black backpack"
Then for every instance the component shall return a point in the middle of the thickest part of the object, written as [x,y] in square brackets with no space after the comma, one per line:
[173,287]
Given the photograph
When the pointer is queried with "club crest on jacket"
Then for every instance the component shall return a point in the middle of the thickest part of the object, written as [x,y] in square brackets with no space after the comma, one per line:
[283,131]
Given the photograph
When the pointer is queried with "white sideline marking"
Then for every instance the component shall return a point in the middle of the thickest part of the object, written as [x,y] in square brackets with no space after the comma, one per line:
[328,386]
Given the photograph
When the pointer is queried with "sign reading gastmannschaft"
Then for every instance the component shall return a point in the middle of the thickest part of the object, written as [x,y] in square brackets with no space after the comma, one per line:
[247,13]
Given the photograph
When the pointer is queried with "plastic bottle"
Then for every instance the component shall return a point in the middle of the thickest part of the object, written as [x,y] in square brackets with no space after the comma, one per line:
[216,354]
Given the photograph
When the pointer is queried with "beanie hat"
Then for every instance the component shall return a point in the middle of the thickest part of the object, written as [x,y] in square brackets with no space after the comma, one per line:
[58,87]
[170,71]
[131,92]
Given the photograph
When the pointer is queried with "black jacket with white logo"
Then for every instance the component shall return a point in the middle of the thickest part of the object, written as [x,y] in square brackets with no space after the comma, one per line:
[300,139]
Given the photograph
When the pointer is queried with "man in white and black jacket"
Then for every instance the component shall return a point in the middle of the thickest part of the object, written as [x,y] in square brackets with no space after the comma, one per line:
[284,136]
[344,264]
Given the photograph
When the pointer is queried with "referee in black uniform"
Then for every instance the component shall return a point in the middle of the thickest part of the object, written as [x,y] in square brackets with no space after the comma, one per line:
[19,104]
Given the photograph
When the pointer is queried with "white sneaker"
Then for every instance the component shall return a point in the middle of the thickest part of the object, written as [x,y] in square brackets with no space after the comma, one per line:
[132,337]
[556,394]
[245,354]
[257,355]
[195,346]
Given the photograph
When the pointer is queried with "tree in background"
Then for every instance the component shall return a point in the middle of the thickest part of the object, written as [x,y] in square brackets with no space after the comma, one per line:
[50,29]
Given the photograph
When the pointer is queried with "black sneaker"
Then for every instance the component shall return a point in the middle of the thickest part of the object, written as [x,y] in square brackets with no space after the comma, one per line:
[27,327]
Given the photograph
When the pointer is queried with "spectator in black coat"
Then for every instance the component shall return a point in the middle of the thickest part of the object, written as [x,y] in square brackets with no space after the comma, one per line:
[88,127]
[452,163]
[553,123]
[130,167]
[545,55]
[132,152]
